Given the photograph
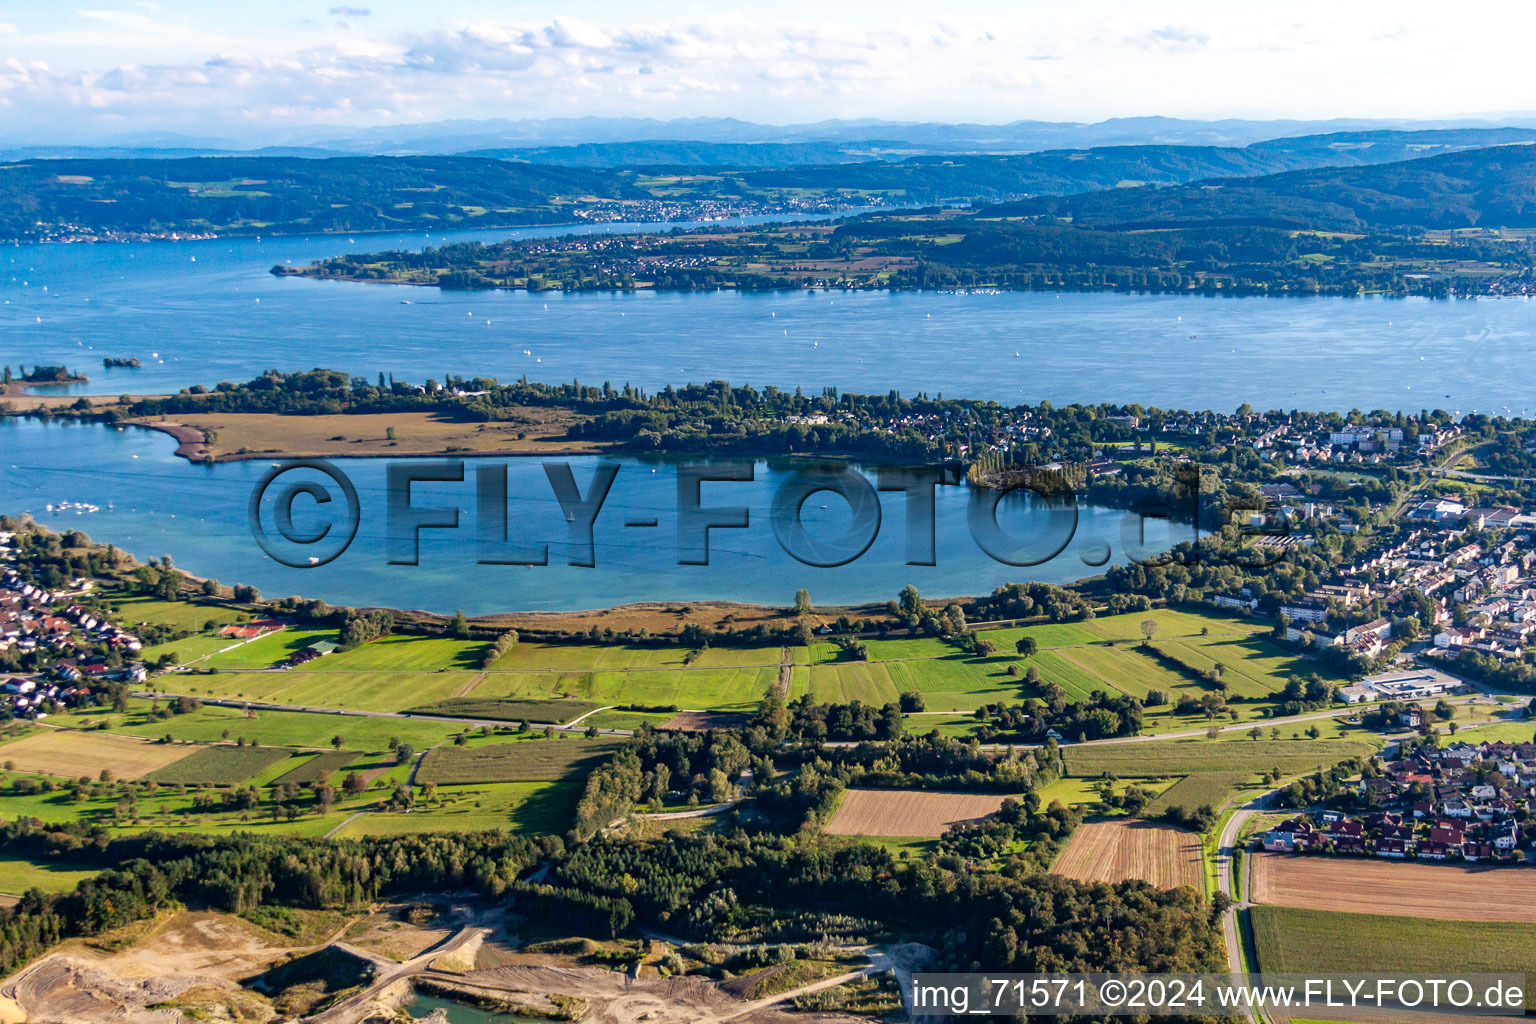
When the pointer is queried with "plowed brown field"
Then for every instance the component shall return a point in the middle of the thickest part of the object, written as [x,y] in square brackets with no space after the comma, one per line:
[1452,892]
[885,812]
[1113,851]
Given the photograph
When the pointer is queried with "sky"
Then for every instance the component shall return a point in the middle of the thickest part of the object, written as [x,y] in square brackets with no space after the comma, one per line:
[281,70]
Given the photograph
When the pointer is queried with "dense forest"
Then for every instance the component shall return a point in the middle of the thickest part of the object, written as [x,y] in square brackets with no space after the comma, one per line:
[276,195]
[733,887]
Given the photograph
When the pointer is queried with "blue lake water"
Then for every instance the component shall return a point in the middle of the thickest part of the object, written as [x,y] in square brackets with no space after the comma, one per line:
[153,503]
[201,312]
[207,311]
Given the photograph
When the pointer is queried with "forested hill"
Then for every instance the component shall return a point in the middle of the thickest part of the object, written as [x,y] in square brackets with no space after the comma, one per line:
[75,198]
[1485,187]
[278,195]
[1068,171]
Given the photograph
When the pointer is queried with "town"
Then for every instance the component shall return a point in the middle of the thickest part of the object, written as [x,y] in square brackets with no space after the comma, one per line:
[1464,801]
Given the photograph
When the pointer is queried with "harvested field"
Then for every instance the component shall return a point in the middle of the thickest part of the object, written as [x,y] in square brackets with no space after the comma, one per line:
[73,754]
[223,765]
[523,761]
[893,812]
[1113,851]
[1450,892]
[703,721]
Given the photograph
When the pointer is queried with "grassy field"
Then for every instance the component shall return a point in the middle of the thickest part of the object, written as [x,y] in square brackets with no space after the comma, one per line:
[264,650]
[1292,939]
[522,761]
[366,691]
[210,724]
[1509,732]
[189,649]
[223,765]
[534,657]
[1127,669]
[405,653]
[703,689]
[51,874]
[1163,758]
[1083,795]
[1205,788]
[627,719]
[133,610]
[531,808]
[406,671]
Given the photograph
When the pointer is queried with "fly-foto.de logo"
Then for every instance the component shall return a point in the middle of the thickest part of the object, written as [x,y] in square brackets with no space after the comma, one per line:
[305,513]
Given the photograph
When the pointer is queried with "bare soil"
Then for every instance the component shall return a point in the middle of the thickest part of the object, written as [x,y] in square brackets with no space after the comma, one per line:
[1362,885]
[1114,851]
[880,812]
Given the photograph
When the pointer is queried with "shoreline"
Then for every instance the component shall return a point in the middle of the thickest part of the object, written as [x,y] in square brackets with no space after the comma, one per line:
[19,388]
[191,444]
[214,236]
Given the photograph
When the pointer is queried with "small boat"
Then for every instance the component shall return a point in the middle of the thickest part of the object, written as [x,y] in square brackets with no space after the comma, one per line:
[405,302]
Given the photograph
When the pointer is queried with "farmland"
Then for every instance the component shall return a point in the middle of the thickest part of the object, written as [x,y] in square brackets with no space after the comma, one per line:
[524,761]
[367,691]
[1116,850]
[531,808]
[1291,939]
[212,723]
[400,672]
[1204,789]
[72,754]
[50,874]
[720,689]
[1184,757]
[316,768]
[223,765]
[1082,795]
[503,709]
[1368,886]
[880,812]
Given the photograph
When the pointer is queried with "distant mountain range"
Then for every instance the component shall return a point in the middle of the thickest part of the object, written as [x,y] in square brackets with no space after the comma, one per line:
[587,139]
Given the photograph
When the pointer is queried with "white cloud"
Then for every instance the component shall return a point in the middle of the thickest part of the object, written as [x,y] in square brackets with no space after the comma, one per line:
[148,68]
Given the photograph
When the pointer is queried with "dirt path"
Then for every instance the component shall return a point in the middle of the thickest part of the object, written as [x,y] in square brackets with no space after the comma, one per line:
[343,825]
[786,673]
[469,687]
[391,972]
[581,718]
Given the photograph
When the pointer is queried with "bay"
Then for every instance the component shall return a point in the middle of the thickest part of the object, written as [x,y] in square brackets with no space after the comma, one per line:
[152,503]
